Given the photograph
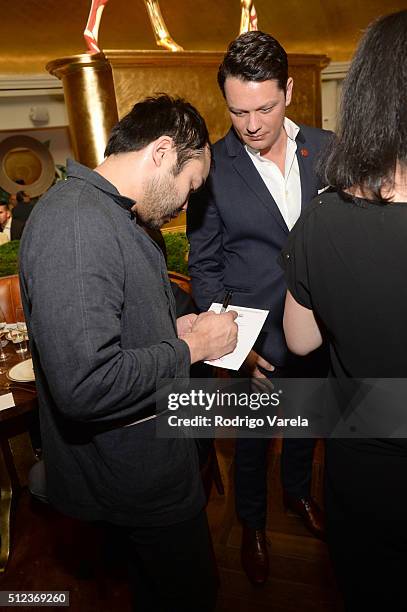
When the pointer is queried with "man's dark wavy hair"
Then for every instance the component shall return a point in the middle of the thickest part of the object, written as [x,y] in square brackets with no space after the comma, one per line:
[254,56]
[372,134]
[157,116]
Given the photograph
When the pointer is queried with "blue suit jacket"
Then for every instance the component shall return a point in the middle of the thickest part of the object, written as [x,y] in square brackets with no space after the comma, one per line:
[236,233]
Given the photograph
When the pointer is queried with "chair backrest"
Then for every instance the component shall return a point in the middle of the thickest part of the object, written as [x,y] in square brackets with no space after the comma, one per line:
[10,297]
[181,280]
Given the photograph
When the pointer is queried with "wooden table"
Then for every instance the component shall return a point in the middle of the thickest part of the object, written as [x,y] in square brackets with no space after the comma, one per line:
[16,451]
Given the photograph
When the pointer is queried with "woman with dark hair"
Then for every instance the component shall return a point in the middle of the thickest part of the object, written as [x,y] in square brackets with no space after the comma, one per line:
[346,269]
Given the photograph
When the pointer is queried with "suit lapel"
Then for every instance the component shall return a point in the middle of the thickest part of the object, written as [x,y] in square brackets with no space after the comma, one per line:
[247,171]
[244,166]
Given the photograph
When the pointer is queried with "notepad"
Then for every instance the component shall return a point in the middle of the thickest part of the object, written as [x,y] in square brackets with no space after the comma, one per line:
[6,401]
[250,322]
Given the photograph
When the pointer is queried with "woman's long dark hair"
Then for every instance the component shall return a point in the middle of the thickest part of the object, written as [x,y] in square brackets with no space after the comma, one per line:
[372,134]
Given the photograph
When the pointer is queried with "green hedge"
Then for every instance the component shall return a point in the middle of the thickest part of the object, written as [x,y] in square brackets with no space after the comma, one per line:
[176,244]
[177,251]
[9,258]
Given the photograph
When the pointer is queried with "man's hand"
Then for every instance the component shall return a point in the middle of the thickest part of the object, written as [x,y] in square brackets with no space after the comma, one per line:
[212,335]
[185,323]
[250,367]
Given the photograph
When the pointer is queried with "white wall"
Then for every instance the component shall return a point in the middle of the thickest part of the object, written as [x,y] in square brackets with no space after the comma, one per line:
[332,78]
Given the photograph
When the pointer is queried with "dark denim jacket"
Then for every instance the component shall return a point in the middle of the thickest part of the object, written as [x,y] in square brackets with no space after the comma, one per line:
[102,325]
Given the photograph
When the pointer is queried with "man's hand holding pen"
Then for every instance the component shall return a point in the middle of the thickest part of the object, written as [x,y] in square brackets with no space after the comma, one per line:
[212,335]
[226,301]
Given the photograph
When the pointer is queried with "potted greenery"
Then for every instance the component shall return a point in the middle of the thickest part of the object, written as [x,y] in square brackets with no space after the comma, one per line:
[9,258]
[177,251]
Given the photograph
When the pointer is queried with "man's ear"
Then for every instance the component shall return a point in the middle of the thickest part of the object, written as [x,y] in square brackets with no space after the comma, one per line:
[162,148]
[289,91]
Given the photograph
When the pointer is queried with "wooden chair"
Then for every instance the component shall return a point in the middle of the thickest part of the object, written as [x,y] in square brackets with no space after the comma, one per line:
[10,297]
[181,280]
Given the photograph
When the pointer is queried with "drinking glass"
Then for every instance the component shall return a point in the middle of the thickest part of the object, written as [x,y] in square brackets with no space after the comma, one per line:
[19,335]
[20,319]
[3,332]
[19,341]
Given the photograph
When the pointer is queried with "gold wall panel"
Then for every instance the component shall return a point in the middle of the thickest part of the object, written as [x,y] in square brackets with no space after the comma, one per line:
[189,74]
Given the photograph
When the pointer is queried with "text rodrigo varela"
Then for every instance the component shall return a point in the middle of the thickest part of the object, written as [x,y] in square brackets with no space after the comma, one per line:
[221,400]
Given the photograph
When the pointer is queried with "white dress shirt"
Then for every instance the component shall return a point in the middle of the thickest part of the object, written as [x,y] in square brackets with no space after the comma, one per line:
[285,190]
[6,231]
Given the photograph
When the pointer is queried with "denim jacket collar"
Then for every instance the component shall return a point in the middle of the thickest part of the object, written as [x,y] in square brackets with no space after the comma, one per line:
[76,170]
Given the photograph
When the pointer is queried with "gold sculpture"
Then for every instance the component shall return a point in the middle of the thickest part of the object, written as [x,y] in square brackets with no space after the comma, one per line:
[162,36]
[248,22]
[248,18]
[91,31]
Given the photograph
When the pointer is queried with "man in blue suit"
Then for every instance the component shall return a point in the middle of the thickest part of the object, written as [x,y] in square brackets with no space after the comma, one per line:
[263,174]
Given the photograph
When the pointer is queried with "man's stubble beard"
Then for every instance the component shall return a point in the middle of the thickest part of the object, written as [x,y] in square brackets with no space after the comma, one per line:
[159,202]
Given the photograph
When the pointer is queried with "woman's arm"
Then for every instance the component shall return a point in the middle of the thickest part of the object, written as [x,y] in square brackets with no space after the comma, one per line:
[300,327]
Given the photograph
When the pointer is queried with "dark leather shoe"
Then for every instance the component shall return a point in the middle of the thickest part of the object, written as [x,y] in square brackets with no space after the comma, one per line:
[309,511]
[254,554]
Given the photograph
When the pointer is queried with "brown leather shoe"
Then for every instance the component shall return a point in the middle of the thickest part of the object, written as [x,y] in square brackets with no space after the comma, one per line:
[311,514]
[254,555]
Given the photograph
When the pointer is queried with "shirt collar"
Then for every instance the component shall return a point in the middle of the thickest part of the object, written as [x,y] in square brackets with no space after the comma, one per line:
[291,129]
[76,170]
[6,226]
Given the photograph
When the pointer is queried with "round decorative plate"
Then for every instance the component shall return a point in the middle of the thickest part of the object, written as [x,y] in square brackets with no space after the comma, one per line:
[44,174]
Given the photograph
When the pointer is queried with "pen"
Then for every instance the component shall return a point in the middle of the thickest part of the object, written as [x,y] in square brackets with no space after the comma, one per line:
[226,300]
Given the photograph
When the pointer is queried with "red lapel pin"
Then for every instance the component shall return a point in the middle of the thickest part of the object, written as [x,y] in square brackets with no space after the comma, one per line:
[304,152]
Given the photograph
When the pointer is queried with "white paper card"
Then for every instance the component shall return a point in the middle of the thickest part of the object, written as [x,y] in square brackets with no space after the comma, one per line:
[249,321]
[6,401]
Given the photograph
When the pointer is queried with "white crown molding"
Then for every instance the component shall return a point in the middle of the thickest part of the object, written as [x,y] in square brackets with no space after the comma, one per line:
[29,85]
[24,96]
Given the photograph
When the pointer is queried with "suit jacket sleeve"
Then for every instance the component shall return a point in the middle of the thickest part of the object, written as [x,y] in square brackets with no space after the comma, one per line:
[204,230]
[16,230]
